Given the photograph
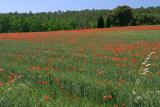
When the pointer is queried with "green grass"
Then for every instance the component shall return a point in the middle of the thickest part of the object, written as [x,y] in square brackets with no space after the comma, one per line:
[80,69]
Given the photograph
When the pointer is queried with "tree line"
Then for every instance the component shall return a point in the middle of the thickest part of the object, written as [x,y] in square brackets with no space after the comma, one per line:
[69,20]
[126,16]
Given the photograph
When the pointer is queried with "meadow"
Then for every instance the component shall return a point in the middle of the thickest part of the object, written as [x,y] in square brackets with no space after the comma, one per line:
[114,67]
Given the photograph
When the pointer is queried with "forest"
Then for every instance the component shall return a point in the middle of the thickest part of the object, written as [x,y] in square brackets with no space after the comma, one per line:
[69,20]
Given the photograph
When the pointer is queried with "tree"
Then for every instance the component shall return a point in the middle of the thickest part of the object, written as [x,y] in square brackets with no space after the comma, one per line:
[134,22]
[122,16]
[4,24]
[100,23]
[108,22]
[146,19]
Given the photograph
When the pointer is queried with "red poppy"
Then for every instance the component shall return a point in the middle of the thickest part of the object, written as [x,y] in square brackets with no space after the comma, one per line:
[110,97]
[46,98]
[134,61]
[11,77]
[46,68]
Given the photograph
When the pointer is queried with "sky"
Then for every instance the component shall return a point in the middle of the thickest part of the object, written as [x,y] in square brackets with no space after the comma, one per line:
[54,5]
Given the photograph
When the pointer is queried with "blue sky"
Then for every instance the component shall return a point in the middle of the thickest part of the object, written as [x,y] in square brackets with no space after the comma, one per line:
[53,5]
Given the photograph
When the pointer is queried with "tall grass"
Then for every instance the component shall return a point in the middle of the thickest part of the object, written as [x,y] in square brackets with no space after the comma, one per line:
[81,69]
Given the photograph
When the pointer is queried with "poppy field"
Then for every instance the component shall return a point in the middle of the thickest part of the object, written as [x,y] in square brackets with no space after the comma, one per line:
[112,67]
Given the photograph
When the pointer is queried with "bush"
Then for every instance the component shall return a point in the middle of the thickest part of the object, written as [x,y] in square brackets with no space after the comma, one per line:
[145,19]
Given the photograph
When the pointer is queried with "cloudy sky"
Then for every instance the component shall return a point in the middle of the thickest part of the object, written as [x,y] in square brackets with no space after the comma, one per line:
[53,5]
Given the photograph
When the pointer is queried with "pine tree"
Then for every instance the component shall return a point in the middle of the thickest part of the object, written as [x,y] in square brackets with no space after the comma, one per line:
[100,23]
[108,22]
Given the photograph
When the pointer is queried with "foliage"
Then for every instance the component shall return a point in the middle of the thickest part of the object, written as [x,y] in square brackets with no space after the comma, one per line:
[121,16]
[59,20]
[145,19]
[108,22]
[100,23]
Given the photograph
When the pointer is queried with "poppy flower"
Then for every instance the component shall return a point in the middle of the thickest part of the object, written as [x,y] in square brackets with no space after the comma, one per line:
[110,97]
[46,98]
[46,68]
[134,61]
[11,77]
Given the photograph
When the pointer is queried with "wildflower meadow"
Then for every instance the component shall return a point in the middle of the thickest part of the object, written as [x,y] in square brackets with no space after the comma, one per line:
[111,67]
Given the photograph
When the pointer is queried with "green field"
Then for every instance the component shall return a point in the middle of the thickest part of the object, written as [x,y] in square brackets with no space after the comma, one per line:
[81,69]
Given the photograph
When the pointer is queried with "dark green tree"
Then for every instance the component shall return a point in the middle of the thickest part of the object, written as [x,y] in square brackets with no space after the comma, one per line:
[108,22]
[4,24]
[100,23]
[133,22]
[122,16]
